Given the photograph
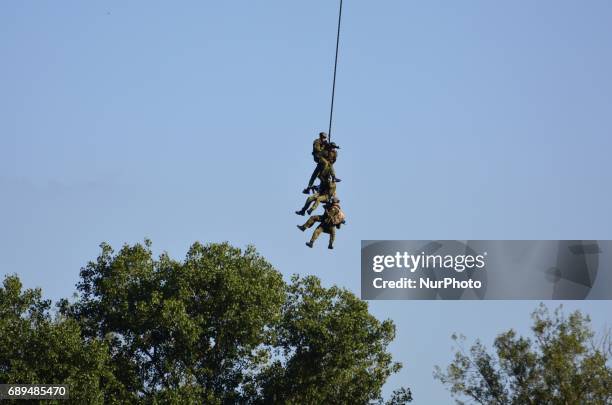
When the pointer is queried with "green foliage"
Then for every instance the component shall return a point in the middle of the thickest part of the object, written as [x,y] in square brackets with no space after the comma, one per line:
[37,348]
[333,349]
[219,327]
[562,364]
[181,331]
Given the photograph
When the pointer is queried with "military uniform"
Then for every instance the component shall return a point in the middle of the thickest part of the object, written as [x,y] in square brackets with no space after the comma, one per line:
[318,147]
[327,191]
[325,167]
[325,157]
[326,224]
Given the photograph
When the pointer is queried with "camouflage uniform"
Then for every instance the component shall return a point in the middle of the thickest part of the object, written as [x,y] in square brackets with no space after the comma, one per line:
[325,225]
[327,191]
[326,166]
[318,146]
[325,157]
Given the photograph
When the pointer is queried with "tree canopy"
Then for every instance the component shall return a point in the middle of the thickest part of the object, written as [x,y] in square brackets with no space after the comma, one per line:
[220,326]
[563,363]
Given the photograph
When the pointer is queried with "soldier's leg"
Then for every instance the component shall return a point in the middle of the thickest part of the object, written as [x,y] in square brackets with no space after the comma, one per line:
[317,201]
[312,220]
[316,234]
[315,173]
[309,201]
[332,173]
[324,170]
[328,170]
[332,237]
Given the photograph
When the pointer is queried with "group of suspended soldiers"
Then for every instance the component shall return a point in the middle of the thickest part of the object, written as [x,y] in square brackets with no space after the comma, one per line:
[325,154]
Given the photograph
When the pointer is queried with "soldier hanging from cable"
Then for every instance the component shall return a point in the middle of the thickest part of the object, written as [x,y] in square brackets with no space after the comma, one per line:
[324,154]
[331,220]
[324,192]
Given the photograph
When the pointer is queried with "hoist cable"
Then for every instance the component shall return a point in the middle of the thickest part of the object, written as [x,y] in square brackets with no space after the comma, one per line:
[331,110]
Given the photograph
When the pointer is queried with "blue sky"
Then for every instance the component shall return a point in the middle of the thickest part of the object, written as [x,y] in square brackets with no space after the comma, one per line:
[193,121]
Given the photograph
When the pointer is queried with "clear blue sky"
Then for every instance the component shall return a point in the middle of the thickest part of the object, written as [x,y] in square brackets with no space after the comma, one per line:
[184,121]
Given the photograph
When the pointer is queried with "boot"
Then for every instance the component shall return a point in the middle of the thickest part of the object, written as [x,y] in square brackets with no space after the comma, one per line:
[309,212]
[337,180]
[309,244]
[300,212]
[301,228]
[330,246]
[306,190]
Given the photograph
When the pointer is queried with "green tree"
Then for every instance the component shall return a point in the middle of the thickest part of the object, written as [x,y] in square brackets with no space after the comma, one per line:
[36,347]
[188,331]
[222,326]
[333,350]
[564,363]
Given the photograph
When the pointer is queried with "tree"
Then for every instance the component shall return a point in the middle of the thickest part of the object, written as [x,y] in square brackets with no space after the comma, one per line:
[180,332]
[38,348]
[333,350]
[223,327]
[564,363]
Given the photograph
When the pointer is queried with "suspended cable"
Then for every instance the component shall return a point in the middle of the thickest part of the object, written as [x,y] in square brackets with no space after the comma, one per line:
[331,110]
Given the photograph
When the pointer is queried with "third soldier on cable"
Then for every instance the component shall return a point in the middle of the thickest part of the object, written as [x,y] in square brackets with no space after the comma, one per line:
[331,220]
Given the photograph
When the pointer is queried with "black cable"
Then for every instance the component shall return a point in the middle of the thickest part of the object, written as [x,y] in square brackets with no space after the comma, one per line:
[331,111]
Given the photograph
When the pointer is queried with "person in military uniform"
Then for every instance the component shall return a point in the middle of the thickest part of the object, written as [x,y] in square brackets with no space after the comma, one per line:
[324,155]
[331,220]
[326,191]
[326,163]
[318,146]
